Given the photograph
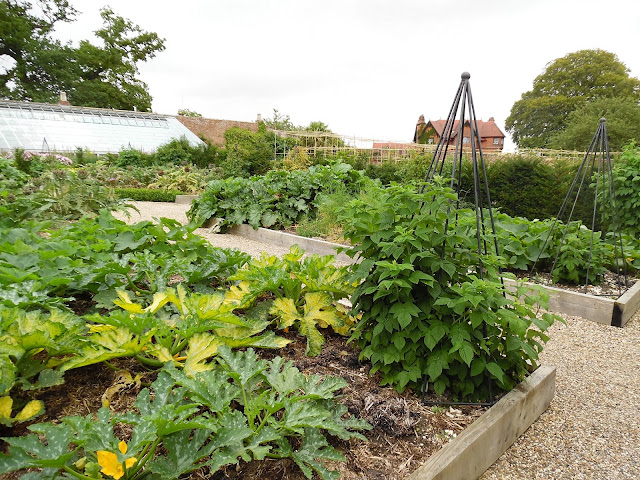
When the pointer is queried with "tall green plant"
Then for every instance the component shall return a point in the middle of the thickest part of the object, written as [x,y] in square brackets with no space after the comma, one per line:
[428,312]
[626,178]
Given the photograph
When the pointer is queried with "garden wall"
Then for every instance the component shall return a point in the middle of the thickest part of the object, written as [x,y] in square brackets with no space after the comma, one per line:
[213,130]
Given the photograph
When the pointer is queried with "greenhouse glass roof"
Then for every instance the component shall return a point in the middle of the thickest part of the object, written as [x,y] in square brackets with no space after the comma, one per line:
[43,127]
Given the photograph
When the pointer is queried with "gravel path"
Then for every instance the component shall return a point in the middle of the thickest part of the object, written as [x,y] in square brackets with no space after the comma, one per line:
[591,431]
[151,210]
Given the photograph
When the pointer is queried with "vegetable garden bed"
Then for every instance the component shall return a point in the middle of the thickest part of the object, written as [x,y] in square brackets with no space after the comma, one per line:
[607,311]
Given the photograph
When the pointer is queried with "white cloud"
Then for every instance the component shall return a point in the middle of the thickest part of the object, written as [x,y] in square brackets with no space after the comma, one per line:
[364,67]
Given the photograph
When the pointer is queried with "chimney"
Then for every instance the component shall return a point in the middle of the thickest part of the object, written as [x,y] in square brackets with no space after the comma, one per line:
[421,120]
[259,118]
[491,119]
[63,99]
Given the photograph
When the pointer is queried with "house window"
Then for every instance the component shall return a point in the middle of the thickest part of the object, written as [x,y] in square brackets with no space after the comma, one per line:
[430,140]
[496,141]
[466,140]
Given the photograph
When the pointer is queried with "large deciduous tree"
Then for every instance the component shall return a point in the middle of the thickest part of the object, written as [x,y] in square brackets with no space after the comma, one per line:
[623,124]
[567,84]
[35,67]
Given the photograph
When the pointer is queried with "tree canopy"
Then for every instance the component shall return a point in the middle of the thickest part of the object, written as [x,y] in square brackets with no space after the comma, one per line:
[36,67]
[623,124]
[567,84]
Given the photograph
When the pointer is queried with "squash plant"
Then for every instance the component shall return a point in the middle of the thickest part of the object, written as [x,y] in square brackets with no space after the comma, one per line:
[33,348]
[243,408]
[188,334]
[428,312]
[306,292]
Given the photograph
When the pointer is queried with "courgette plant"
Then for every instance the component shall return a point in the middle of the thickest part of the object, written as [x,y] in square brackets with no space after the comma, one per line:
[243,408]
[34,347]
[187,334]
[306,292]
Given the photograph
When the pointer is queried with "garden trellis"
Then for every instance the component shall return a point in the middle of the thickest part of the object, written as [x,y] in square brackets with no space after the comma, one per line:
[593,185]
[463,137]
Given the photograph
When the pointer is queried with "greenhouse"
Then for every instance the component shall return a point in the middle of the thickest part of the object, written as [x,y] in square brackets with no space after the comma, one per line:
[44,127]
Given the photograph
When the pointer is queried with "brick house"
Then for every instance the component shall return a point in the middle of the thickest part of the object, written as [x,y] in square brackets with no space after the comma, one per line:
[491,137]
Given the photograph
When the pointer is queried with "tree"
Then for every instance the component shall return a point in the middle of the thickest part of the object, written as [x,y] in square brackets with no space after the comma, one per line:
[623,124]
[280,121]
[92,75]
[185,112]
[567,84]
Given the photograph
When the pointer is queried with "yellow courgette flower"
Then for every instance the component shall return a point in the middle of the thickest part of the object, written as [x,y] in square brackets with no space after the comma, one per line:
[109,461]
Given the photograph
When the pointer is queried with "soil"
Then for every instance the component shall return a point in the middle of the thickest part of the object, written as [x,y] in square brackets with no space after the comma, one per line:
[405,431]
[608,287]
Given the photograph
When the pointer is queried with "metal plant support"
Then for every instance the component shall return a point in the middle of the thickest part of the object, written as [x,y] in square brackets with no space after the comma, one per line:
[594,171]
[453,138]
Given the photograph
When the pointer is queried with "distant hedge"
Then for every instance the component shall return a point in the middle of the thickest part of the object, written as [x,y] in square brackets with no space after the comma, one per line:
[147,194]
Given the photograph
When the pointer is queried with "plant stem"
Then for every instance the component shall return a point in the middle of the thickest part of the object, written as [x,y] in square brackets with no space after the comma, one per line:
[149,454]
[76,474]
[150,362]
[110,365]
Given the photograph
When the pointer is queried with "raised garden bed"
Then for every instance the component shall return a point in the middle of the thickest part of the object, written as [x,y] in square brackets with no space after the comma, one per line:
[284,239]
[607,311]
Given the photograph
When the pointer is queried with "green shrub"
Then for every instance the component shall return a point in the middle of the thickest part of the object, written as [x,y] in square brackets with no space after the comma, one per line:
[248,153]
[134,158]
[429,313]
[626,179]
[524,186]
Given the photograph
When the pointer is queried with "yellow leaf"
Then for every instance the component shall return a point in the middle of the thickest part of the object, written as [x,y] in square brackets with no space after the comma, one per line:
[5,407]
[237,294]
[201,347]
[159,300]
[109,463]
[285,309]
[100,328]
[31,409]
[126,303]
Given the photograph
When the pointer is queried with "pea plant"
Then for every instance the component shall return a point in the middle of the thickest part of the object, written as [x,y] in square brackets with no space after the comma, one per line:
[428,311]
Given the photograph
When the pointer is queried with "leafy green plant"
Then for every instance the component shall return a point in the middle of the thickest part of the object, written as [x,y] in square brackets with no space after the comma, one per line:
[242,408]
[276,199]
[42,268]
[581,257]
[183,179]
[428,311]
[306,292]
[188,338]
[627,189]
[147,194]
[33,347]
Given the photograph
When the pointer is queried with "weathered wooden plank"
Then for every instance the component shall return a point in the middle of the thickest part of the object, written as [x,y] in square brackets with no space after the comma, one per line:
[470,454]
[629,303]
[590,307]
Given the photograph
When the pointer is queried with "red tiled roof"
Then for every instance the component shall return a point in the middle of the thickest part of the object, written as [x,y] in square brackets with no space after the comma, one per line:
[485,129]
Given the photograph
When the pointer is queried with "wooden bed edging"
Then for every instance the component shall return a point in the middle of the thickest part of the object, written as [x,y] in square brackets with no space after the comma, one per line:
[597,309]
[602,310]
[284,239]
[469,455]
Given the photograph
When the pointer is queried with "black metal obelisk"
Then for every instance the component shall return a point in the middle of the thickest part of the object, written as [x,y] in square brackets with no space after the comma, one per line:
[595,174]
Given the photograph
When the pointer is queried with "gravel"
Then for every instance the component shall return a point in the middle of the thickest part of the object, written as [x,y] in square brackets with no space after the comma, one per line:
[592,427]
[151,210]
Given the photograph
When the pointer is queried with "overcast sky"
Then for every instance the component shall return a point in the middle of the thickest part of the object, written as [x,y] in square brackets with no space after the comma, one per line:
[367,68]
